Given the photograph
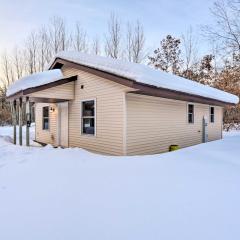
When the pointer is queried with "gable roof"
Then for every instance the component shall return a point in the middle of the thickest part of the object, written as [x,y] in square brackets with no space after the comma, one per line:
[145,75]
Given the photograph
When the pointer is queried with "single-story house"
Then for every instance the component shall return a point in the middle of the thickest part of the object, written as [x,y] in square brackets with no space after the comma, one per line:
[115,107]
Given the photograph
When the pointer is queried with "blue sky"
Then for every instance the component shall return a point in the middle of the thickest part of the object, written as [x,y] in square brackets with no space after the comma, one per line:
[18,18]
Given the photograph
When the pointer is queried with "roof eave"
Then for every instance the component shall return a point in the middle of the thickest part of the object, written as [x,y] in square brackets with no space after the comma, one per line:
[27,91]
[141,88]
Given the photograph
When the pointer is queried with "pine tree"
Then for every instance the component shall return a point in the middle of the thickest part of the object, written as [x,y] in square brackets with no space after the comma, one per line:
[167,56]
[206,70]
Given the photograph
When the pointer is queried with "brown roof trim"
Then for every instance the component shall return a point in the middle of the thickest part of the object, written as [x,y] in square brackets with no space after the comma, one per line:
[141,88]
[50,85]
[94,71]
[47,100]
[42,87]
[176,95]
[15,96]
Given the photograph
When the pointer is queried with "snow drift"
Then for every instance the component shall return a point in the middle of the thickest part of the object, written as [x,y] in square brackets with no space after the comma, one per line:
[61,194]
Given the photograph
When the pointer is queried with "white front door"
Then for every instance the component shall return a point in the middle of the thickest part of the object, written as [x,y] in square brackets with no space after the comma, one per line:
[63,124]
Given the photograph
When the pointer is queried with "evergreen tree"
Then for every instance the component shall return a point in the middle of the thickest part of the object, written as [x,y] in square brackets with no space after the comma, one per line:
[167,56]
[206,70]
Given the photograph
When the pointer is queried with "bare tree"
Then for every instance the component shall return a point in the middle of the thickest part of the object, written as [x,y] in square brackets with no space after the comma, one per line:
[113,38]
[96,46]
[135,43]
[6,79]
[129,43]
[138,43]
[18,62]
[218,61]
[31,48]
[7,72]
[226,31]
[44,49]
[79,39]
[189,53]
[58,35]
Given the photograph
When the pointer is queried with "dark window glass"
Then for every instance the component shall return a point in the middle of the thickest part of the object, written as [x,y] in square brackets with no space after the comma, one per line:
[88,117]
[212,114]
[45,118]
[45,124]
[190,113]
[88,125]
[88,109]
[45,111]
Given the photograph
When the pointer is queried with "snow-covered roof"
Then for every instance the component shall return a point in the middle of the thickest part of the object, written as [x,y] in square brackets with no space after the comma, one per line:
[34,80]
[147,75]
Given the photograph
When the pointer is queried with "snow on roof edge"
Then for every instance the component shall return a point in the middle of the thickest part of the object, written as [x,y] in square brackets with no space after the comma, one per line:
[146,75]
[34,80]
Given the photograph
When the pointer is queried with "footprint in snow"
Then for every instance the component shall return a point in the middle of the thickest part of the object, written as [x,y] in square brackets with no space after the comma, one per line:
[22,161]
[2,165]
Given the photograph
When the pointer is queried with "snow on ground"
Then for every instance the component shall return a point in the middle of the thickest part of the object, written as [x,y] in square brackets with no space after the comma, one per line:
[59,194]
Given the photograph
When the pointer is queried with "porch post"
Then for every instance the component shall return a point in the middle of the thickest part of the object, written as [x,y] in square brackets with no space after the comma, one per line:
[14,119]
[27,121]
[20,120]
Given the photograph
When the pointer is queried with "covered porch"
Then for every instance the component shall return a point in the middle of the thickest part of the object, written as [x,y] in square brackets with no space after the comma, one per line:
[54,95]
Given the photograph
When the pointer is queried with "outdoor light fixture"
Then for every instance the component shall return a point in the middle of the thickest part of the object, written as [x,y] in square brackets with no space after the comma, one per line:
[52,109]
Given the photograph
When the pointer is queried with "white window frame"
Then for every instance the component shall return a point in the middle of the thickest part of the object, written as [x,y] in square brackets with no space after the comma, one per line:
[211,114]
[45,117]
[95,117]
[193,113]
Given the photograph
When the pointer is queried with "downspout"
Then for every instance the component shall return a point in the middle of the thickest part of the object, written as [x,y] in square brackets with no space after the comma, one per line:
[124,124]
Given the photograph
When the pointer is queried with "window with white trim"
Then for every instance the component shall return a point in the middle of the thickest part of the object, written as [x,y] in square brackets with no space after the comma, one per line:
[45,119]
[190,113]
[212,114]
[88,117]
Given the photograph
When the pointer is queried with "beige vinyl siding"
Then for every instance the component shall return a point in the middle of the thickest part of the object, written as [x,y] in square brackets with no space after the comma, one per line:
[46,136]
[126,123]
[64,91]
[153,124]
[63,123]
[215,129]
[110,113]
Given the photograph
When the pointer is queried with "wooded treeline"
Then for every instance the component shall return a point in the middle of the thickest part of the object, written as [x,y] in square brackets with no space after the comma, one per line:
[219,68]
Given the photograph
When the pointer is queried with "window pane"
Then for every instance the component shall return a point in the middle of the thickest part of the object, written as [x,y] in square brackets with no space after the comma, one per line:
[190,118]
[45,124]
[88,109]
[88,125]
[212,110]
[190,108]
[45,118]
[45,111]
[212,114]
[190,113]
[212,118]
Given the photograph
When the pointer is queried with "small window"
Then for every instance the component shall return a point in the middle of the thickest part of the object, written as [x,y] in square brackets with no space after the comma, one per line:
[190,113]
[88,117]
[212,114]
[45,118]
